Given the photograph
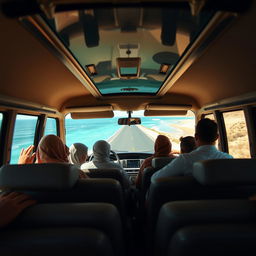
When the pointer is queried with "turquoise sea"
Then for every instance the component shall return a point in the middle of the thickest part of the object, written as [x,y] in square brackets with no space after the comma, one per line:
[86,131]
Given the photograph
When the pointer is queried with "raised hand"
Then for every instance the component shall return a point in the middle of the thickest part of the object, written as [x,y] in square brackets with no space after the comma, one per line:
[27,156]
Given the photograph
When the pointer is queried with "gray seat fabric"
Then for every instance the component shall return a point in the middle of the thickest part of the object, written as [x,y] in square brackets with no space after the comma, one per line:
[176,215]
[55,176]
[99,216]
[55,241]
[224,183]
[214,239]
[225,172]
[88,190]
[53,185]
[157,163]
[187,188]
[107,173]
[160,162]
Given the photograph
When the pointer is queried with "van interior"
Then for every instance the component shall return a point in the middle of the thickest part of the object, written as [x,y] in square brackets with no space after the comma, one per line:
[125,72]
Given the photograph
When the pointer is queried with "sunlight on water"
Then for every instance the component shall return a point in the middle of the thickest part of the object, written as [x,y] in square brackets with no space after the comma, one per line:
[90,130]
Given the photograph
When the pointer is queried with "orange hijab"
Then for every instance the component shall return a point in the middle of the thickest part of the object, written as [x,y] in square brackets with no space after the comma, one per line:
[163,146]
[51,149]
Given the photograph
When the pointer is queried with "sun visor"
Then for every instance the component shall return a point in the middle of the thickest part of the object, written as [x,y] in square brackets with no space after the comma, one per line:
[88,115]
[168,107]
[165,112]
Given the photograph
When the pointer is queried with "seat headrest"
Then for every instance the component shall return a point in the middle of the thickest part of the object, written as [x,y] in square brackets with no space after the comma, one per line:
[39,176]
[225,172]
[160,162]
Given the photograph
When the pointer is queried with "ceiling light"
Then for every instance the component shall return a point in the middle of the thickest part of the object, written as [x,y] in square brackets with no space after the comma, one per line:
[164,68]
[91,69]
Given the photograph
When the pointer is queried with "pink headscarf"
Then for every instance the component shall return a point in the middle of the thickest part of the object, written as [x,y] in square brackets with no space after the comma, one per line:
[52,149]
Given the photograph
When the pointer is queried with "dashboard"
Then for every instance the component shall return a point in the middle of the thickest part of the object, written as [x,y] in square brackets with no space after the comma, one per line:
[131,162]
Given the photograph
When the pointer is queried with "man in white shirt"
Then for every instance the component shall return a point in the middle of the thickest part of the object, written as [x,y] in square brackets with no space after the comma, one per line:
[206,135]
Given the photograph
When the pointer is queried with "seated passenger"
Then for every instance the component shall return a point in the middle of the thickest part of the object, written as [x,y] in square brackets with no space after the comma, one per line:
[50,149]
[11,205]
[187,144]
[101,160]
[78,154]
[163,148]
[205,136]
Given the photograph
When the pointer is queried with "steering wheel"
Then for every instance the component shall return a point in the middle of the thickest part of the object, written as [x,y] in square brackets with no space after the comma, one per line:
[114,156]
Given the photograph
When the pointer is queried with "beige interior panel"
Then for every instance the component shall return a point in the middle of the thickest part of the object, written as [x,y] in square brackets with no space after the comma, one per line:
[30,72]
[227,68]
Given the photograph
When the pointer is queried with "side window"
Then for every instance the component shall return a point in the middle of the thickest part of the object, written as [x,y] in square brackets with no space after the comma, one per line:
[211,116]
[24,133]
[51,126]
[1,120]
[237,135]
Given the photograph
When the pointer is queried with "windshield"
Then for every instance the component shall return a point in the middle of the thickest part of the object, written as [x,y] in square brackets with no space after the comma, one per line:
[134,138]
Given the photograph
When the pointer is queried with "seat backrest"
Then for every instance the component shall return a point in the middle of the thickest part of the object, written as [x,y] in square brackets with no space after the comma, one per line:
[226,172]
[56,184]
[214,239]
[213,179]
[72,217]
[54,176]
[107,173]
[157,163]
[160,162]
[54,241]
[176,215]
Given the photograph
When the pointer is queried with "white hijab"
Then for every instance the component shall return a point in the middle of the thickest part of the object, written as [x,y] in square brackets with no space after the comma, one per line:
[77,152]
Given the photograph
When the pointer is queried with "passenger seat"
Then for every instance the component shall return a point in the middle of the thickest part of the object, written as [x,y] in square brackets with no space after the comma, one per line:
[65,229]
[60,183]
[206,227]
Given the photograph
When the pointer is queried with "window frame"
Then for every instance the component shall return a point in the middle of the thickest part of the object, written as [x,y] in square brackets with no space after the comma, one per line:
[249,111]
[13,130]
[57,125]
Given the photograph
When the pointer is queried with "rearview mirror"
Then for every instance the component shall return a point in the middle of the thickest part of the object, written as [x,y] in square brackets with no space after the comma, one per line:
[129,121]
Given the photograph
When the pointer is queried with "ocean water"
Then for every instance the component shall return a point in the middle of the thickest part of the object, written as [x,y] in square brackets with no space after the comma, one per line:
[86,131]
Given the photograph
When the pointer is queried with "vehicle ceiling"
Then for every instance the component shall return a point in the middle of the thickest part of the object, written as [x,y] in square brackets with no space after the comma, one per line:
[29,71]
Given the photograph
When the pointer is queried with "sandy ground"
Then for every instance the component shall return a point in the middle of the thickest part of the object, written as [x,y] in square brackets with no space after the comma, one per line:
[237,134]
[183,128]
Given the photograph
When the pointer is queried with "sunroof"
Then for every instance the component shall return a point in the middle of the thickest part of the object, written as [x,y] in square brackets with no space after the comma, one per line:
[128,50]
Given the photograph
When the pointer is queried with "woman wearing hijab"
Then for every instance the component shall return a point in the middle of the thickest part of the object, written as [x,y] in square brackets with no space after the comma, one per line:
[50,149]
[78,154]
[101,160]
[163,148]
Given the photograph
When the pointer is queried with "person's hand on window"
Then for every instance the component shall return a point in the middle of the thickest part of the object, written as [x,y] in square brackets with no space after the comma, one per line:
[11,205]
[27,156]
